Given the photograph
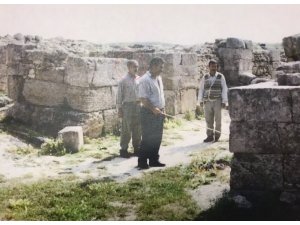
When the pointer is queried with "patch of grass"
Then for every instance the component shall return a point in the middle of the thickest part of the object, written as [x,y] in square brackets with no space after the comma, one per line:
[172,123]
[158,195]
[53,147]
[189,115]
[23,150]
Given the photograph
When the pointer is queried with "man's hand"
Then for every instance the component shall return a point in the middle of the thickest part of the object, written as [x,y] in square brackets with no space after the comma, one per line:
[120,113]
[156,111]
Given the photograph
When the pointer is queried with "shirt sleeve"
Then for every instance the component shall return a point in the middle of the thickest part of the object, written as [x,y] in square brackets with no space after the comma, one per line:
[201,91]
[143,90]
[224,90]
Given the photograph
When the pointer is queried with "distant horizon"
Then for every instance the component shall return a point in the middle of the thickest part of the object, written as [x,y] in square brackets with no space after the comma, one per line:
[170,24]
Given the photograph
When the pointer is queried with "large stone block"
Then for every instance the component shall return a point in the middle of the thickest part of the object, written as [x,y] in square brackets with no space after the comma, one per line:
[296,104]
[79,71]
[172,102]
[233,54]
[188,59]
[72,138]
[89,100]
[290,67]
[111,120]
[291,171]
[108,72]
[15,86]
[254,137]
[44,93]
[235,43]
[94,72]
[256,172]
[290,79]
[3,54]
[291,47]
[260,102]
[289,137]
[188,100]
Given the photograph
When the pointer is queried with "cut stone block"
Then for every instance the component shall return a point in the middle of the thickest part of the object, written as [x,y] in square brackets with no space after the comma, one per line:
[72,138]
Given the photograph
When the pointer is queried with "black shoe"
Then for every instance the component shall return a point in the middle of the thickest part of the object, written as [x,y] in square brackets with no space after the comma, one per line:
[217,139]
[143,166]
[157,164]
[209,139]
[124,155]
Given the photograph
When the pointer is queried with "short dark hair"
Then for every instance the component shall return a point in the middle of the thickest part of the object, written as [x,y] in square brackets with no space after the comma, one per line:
[132,62]
[156,61]
[212,61]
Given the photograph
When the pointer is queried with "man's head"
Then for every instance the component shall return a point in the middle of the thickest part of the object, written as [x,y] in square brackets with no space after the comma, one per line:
[132,66]
[213,66]
[156,66]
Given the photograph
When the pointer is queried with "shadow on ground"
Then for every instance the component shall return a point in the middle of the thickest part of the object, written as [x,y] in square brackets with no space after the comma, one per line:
[266,208]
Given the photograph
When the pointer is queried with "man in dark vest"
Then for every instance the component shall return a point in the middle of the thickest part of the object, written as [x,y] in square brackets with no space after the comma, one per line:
[213,95]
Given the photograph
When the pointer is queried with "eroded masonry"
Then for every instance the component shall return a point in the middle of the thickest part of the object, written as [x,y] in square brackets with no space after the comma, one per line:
[265,131]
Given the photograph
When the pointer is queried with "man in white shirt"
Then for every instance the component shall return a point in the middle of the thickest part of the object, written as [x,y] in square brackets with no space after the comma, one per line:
[213,95]
[151,93]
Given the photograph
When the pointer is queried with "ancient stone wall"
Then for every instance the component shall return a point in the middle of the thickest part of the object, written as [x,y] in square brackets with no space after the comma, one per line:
[53,88]
[264,137]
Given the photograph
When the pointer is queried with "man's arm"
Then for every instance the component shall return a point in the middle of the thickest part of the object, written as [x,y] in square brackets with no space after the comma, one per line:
[149,105]
[120,99]
[224,92]
[200,92]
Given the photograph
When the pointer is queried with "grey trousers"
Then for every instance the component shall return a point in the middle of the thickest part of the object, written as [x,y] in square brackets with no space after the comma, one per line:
[131,126]
[212,111]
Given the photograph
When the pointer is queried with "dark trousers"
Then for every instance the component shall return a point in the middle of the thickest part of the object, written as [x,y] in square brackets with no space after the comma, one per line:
[152,131]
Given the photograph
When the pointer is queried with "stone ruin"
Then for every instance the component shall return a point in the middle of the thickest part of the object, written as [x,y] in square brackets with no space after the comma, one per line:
[56,82]
[244,62]
[265,131]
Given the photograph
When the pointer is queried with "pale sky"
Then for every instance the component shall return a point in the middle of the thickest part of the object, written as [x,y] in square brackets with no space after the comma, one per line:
[181,24]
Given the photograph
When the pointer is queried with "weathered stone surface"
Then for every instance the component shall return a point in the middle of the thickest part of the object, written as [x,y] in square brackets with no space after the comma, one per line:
[289,137]
[72,138]
[296,105]
[235,43]
[90,72]
[256,172]
[50,120]
[188,100]
[108,72]
[15,86]
[255,137]
[188,59]
[44,93]
[291,47]
[228,53]
[111,120]
[89,100]
[290,67]
[3,52]
[246,77]
[290,79]
[172,102]
[291,170]
[260,102]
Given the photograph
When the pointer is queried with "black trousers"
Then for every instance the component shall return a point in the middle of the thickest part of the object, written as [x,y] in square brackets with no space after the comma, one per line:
[152,131]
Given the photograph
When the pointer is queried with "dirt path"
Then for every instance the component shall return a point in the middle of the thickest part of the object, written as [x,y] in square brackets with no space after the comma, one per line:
[182,143]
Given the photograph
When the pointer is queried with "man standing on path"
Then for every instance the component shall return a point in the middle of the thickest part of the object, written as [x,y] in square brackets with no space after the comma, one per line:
[213,95]
[151,93]
[129,110]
